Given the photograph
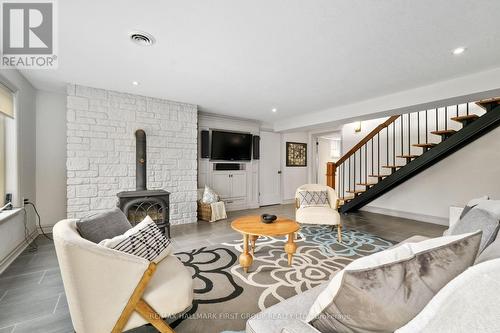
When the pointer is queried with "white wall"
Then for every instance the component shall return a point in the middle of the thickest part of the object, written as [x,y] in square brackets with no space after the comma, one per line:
[427,197]
[12,230]
[458,90]
[293,177]
[51,157]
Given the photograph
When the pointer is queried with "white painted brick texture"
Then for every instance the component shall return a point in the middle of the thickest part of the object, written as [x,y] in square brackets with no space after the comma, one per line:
[101,150]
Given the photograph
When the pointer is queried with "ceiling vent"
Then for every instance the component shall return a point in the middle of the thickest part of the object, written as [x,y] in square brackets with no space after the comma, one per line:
[142,38]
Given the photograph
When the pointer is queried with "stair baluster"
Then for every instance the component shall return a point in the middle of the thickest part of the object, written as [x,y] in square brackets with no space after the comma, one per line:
[358,161]
[426,126]
[445,117]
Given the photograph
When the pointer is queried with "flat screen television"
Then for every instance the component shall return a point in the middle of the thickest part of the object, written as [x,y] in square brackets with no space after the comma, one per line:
[230,146]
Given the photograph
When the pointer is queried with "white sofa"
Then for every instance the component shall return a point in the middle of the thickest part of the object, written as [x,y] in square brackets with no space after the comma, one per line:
[100,281]
[483,315]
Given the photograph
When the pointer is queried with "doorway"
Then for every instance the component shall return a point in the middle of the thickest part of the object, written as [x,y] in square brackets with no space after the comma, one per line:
[270,169]
[328,148]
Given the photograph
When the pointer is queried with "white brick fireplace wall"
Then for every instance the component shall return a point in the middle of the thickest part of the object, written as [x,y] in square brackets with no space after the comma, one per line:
[101,150]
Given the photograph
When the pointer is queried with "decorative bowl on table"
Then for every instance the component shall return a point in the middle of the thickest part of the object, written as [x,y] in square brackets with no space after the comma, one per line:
[268,218]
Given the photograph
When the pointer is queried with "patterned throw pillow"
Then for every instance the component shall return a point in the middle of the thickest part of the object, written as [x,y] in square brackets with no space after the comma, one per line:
[313,199]
[144,240]
[209,196]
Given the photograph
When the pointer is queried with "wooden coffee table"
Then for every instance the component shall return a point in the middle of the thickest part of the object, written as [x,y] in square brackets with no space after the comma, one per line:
[251,227]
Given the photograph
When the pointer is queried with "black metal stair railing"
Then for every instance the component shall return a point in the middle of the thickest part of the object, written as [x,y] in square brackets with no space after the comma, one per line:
[396,143]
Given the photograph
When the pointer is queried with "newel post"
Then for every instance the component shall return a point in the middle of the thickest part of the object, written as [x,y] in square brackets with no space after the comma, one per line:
[331,170]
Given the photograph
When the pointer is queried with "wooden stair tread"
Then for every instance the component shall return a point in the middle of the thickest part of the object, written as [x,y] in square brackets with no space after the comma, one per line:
[424,145]
[378,176]
[392,166]
[346,198]
[465,118]
[366,184]
[444,132]
[485,102]
[408,156]
[356,191]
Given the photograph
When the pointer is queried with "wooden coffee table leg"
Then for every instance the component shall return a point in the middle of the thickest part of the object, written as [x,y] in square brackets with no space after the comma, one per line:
[245,258]
[290,247]
[253,239]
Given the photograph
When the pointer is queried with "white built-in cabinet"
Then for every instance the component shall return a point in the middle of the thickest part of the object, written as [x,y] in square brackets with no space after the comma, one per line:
[221,184]
[232,188]
[238,184]
[237,188]
[230,184]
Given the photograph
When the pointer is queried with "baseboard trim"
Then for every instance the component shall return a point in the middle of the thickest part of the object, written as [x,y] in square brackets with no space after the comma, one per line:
[407,215]
[288,201]
[17,251]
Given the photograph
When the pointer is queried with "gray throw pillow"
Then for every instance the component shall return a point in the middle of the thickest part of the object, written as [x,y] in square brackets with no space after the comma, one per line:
[384,291]
[491,252]
[473,203]
[100,226]
[478,218]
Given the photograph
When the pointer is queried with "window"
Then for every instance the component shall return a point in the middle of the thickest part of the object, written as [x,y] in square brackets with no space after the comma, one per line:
[6,110]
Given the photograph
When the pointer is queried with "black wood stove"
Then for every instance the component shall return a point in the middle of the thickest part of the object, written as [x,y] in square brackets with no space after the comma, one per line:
[142,202]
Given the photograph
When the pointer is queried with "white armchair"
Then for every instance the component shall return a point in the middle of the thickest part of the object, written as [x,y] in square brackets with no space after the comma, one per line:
[319,215]
[113,291]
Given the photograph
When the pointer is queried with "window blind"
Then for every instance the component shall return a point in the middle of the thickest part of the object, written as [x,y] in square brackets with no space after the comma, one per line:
[6,101]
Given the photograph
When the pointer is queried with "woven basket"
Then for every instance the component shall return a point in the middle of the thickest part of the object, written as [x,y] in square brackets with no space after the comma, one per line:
[204,211]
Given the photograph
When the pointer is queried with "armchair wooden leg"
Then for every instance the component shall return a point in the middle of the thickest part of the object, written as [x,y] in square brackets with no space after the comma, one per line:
[339,233]
[149,314]
[136,303]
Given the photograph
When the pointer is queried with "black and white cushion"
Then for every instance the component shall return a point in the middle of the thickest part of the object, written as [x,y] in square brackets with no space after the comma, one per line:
[313,199]
[144,240]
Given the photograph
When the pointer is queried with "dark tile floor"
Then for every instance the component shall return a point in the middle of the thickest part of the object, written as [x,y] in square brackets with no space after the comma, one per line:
[32,296]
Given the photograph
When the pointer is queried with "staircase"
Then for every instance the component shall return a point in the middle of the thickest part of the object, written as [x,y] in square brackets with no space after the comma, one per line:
[405,145]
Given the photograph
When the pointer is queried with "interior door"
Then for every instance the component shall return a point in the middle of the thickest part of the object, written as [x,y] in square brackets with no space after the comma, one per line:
[270,169]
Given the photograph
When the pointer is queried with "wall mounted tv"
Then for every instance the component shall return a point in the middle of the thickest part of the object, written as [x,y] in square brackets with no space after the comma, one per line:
[230,146]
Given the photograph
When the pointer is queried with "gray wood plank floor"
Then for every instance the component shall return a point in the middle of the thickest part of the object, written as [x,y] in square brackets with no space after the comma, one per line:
[32,295]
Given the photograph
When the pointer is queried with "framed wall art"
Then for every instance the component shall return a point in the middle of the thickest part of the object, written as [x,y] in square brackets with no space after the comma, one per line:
[296,154]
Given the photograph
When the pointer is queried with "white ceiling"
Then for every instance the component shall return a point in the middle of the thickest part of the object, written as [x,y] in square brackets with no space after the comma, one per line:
[243,58]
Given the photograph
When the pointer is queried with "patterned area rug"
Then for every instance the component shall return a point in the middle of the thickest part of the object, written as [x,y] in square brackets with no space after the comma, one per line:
[225,296]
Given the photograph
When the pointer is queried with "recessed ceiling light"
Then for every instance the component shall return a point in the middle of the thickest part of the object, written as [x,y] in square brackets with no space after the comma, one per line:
[459,50]
[135,83]
[274,110]
[142,38]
